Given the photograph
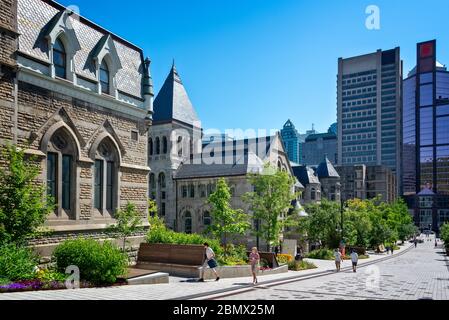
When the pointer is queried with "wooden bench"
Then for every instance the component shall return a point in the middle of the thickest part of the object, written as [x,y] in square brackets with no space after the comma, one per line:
[177,260]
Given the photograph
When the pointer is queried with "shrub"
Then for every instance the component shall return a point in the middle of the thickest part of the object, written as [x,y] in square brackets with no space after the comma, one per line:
[233,255]
[444,234]
[99,263]
[284,258]
[321,254]
[17,263]
[301,265]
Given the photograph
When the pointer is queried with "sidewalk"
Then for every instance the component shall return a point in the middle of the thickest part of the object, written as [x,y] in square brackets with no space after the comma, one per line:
[182,287]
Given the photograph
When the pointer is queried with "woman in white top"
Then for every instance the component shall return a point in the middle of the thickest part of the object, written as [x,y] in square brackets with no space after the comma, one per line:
[337,255]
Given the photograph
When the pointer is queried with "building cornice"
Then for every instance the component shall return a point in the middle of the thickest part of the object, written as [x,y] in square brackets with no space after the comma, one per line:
[68,88]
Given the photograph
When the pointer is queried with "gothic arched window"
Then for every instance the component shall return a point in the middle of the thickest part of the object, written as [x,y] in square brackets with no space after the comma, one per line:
[164,145]
[152,186]
[206,219]
[162,193]
[188,222]
[61,172]
[104,77]
[106,177]
[60,59]
[150,146]
[158,145]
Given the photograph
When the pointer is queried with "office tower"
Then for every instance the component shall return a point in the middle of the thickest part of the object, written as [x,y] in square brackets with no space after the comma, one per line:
[426,139]
[369,99]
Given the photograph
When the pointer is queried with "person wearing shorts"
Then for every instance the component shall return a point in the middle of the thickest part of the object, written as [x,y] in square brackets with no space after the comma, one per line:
[354,259]
[209,261]
[338,258]
[254,259]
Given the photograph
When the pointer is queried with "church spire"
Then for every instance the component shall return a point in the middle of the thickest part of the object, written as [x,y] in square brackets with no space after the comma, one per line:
[173,102]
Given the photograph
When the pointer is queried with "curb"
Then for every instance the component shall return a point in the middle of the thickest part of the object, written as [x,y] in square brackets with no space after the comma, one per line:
[276,282]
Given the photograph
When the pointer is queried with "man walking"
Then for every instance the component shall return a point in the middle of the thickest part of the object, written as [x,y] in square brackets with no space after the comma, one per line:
[209,261]
[337,254]
[354,259]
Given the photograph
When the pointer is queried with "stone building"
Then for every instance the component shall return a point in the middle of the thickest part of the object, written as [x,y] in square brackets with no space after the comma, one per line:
[320,182]
[367,182]
[79,99]
[185,169]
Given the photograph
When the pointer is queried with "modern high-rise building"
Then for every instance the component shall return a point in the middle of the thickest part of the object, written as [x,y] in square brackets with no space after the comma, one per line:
[426,139]
[291,138]
[318,146]
[369,99]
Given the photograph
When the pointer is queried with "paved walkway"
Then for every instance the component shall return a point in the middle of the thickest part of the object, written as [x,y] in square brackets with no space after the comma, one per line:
[421,273]
[182,288]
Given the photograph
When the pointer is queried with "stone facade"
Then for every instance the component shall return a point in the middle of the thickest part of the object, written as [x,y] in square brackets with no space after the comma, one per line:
[83,111]
[367,182]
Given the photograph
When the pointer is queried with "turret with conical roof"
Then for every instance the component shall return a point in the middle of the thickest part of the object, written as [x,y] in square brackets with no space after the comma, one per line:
[172,102]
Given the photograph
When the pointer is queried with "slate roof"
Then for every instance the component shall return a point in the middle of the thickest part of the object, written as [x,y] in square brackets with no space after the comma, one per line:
[173,103]
[250,164]
[36,16]
[305,174]
[326,170]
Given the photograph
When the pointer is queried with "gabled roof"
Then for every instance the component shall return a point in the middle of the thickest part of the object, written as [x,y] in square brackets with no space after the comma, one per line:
[326,170]
[250,164]
[173,103]
[305,175]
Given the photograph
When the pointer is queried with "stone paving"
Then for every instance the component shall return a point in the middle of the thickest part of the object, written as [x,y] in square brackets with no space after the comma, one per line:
[421,273]
[404,273]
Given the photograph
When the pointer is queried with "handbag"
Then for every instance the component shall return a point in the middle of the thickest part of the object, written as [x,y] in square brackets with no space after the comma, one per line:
[212,263]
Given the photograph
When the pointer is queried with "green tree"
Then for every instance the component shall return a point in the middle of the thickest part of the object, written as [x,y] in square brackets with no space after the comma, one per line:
[444,234]
[227,222]
[270,201]
[128,221]
[323,222]
[24,205]
[152,208]
[357,223]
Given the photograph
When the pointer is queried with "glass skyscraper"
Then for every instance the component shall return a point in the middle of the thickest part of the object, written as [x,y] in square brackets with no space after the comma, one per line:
[292,141]
[369,95]
[426,139]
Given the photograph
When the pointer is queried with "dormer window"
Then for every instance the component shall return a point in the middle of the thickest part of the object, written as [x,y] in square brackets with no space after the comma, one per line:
[60,59]
[104,77]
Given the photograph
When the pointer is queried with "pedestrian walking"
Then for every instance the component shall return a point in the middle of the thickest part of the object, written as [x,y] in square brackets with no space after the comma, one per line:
[416,243]
[254,259]
[392,248]
[436,242]
[387,249]
[209,261]
[354,259]
[337,255]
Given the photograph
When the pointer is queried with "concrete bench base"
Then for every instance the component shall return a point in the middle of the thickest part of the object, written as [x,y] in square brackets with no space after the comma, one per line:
[154,278]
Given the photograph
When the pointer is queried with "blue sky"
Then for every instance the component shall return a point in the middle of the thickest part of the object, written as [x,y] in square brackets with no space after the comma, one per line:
[256,63]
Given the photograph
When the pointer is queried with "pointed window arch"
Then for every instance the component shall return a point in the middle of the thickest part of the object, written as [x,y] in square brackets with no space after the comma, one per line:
[158,145]
[104,77]
[152,186]
[150,146]
[162,185]
[164,145]
[188,222]
[106,169]
[60,59]
[62,153]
